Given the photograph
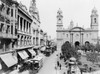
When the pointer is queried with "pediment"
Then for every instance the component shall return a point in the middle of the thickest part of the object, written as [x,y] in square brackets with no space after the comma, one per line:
[77,29]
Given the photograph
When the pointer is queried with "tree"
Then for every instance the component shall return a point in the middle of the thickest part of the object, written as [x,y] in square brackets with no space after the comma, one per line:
[93,57]
[88,47]
[97,48]
[69,51]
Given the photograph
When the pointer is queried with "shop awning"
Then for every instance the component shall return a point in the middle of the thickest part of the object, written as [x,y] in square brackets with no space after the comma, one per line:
[43,48]
[32,52]
[36,47]
[23,54]
[9,59]
[0,66]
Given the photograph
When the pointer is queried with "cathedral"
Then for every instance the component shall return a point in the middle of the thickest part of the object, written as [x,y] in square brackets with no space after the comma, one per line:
[77,35]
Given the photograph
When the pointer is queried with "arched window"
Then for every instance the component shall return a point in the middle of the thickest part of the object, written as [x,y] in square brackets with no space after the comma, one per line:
[67,35]
[77,35]
[87,35]
[95,20]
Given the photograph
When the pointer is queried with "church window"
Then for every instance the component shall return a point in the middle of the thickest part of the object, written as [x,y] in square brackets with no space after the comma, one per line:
[67,35]
[90,33]
[95,20]
[63,33]
[77,35]
[11,12]
[87,35]
[59,18]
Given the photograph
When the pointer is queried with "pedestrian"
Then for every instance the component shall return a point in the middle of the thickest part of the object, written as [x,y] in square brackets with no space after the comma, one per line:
[64,73]
[81,71]
[57,63]
[60,66]
[90,69]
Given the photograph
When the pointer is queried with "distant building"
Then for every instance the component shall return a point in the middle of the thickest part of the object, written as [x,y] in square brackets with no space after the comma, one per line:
[77,35]
[35,24]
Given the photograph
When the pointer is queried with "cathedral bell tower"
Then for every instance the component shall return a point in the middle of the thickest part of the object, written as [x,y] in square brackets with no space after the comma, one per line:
[59,20]
[94,19]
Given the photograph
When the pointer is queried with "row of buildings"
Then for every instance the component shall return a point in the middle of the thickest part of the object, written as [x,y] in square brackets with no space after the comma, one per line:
[19,32]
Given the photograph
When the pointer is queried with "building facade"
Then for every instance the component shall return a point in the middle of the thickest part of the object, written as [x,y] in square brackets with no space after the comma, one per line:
[8,21]
[8,34]
[77,35]
[41,37]
[24,28]
[35,24]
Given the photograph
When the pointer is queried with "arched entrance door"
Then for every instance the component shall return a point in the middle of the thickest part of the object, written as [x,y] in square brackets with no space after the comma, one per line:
[87,43]
[77,43]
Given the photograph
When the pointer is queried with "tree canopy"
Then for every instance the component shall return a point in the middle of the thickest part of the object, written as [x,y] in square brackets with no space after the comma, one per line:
[69,51]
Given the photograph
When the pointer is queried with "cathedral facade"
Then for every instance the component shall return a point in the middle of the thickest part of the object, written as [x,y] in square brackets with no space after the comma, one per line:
[77,35]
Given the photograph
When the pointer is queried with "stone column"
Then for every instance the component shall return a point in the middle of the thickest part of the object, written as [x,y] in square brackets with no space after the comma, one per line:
[82,38]
[23,40]
[10,45]
[72,38]
[35,37]
[22,24]
[18,41]
[28,27]
[26,40]
[34,40]
[39,37]
[25,25]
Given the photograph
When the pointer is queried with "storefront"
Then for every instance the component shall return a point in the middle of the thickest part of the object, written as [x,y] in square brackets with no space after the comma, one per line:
[7,62]
[22,57]
[42,49]
[33,53]
[36,49]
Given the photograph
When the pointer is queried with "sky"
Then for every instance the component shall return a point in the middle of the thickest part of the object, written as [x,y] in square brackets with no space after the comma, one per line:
[77,10]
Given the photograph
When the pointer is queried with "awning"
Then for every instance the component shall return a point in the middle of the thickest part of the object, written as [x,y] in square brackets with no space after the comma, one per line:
[0,66]
[36,47]
[72,58]
[38,58]
[23,54]
[32,52]
[8,59]
[43,48]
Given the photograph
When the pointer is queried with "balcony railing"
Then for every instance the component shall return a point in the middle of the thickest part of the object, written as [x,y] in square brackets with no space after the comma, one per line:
[23,47]
[21,32]
[6,35]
